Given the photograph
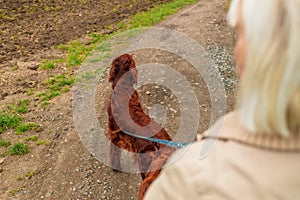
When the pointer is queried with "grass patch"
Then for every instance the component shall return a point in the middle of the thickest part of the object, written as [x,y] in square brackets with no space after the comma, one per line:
[19,149]
[33,138]
[20,106]
[16,191]
[30,92]
[47,65]
[19,178]
[40,142]
[26,127]
[77,53]
[30,174]
[156,14]
[8,121]
[45,103]
[51,95]
[56,86]
[59,81]
[4,143]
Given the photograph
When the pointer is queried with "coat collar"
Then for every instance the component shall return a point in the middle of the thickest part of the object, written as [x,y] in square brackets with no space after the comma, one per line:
[229,128]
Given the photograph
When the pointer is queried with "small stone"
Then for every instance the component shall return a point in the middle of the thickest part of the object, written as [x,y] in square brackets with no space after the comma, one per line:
[77,169]
[80,187]
[85,193]
[148,92]
[173,110]
[33,66]
[2,160]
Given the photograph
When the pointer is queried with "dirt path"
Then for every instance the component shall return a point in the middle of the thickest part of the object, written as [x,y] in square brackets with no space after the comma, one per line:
[64,169]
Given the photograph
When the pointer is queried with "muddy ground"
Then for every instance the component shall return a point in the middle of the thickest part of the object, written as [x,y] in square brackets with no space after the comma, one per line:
[63,168]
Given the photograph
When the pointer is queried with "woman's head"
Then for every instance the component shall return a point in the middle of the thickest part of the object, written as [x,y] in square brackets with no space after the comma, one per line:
[268,59]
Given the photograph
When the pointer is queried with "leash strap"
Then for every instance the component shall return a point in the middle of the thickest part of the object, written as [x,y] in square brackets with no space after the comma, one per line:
[174,144]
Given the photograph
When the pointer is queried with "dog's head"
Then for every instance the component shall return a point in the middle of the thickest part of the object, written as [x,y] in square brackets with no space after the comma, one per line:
[123,64]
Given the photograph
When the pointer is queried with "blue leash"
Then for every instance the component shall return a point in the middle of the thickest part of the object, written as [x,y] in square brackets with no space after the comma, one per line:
[176,145]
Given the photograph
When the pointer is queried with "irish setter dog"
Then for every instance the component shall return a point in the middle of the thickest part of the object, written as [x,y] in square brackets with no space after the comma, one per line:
[126,114]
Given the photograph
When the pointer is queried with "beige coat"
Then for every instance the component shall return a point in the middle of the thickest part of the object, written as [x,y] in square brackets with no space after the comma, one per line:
[240,166]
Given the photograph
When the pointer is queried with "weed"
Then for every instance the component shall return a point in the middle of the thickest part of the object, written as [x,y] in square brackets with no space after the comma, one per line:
[30,174]
[42,93]
[45,103]
[56,86]
[77,52]
[40,142]
[4,142]
[30,92]
[26,127]
[19,178]
[61,47]
[47,65]
[19,149]
[20,106]
[97,38]
[8,120]
[51,95]
[16,191]
[33,138]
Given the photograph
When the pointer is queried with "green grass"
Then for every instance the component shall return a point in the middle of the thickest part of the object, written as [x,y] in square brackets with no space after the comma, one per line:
[158,13]
[21,106]
[30,92]
[16,191]
[45,103]
[19,178]
[33,138]
[40,142]
[47,65]
[4,143]
[77,53]
[8,120]
[30,174]
[56,86]
[19,149]
[51,95]
[26,127]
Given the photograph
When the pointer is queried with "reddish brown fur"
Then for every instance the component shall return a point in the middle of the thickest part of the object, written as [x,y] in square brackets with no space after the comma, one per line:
[152,156]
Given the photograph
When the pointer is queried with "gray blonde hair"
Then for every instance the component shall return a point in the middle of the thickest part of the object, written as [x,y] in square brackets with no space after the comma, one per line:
[269,99]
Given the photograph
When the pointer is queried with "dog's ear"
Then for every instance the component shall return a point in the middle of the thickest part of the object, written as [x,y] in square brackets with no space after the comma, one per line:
[113,70]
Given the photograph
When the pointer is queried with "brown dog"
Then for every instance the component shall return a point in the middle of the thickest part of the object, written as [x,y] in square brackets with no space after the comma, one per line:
[126,113]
